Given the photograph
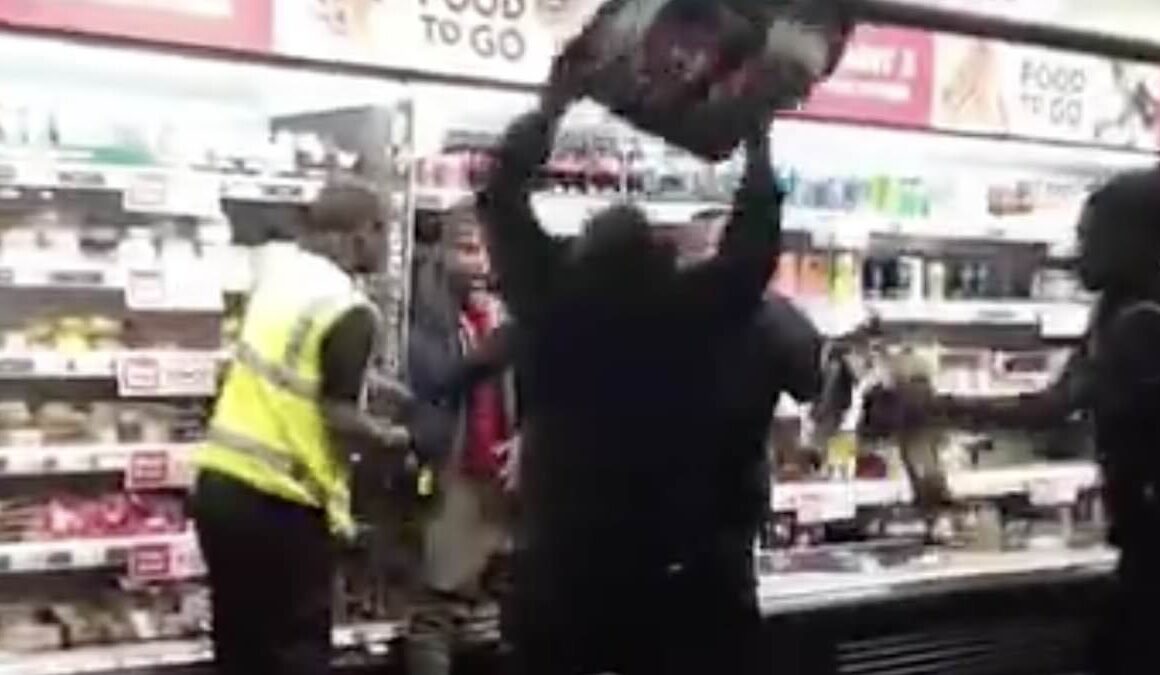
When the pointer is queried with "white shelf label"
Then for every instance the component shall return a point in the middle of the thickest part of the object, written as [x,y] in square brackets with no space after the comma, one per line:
[192,287]
[172,374]
[1053,491]
[834,503]
[180,193]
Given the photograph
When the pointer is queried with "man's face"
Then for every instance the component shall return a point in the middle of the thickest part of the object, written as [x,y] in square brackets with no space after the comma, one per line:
[467,258]
[371,249]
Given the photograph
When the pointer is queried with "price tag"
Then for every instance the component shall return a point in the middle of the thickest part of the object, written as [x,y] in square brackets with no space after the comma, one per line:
[174,192]
[151,562]
[193,286]
[147,191]
[81,278]
[17,366]
[167,374]
[147,470]
[825,506]
[145,290]
[282,193]
[59,559]
[1053,492]
[81,179]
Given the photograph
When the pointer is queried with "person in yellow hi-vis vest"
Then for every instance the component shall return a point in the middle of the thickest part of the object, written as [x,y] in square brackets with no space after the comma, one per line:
[272,492]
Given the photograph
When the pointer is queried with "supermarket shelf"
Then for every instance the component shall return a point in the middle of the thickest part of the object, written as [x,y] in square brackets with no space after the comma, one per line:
[72,275]
[270,189]
[1056,320]
[564,214]
[144,557]
[148,188]
[144,465]
[828,501]
[136,373]
[371,637]
[187,286]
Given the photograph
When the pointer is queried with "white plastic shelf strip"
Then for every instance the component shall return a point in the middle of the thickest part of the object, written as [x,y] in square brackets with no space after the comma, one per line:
[151,367]
[787,592]
[179,552]
[373,637]
[564,213]
[826,501]
[145,465]
[151,188]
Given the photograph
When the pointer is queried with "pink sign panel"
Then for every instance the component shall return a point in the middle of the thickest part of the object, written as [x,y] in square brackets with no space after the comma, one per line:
[886,76]
[228,24]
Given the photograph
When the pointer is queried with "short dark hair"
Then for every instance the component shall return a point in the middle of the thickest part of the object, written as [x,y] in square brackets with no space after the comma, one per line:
[459,218]
[343,205]
[1130,200]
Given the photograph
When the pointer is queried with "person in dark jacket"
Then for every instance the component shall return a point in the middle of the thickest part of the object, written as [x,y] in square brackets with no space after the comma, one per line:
[464,424]
[1114,376]
[627,558]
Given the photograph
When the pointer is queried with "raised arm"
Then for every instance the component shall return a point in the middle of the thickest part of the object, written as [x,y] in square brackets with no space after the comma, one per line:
[524,255]
[734,281]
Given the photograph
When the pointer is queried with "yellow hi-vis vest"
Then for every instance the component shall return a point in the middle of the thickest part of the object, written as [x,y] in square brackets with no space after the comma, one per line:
[267,430]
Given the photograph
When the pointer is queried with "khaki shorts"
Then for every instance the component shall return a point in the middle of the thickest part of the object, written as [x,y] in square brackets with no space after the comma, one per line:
[467,530]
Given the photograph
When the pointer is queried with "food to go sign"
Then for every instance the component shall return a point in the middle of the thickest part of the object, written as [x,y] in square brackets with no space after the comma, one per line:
[506,40]
[488,28]
[1040,93]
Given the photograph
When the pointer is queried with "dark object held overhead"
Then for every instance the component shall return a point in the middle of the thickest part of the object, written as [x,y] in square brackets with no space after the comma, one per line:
[702,73]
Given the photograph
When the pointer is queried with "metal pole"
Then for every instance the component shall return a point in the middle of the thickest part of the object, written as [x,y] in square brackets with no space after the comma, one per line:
[913,15]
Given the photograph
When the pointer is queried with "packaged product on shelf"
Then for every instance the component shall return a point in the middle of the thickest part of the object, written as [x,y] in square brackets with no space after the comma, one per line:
[26,629]
[813,276]
[724,65]
[786,280]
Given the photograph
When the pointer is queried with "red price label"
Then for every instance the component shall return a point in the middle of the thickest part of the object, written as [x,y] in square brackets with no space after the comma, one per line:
[147,470]
[151,562]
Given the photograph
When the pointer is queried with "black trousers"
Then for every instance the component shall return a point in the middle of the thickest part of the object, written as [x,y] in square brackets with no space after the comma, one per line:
[679,624]
[271,568]
[1126,636]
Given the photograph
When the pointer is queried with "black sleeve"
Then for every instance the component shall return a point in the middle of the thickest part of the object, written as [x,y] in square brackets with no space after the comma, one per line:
[346,352]
[732,283]
[796,346]
[524,255]
[1128,374]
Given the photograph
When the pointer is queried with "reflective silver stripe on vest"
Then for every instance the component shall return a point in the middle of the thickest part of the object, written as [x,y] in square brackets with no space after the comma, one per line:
[273,458]
[278,375]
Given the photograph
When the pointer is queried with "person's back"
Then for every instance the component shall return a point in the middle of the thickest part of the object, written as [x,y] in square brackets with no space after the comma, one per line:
[617,537]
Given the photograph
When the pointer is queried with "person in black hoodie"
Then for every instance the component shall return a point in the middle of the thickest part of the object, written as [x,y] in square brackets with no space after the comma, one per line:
[1115,377]
[627,557]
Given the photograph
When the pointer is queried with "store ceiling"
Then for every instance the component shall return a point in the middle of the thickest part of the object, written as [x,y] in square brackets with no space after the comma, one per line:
[1139,19]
